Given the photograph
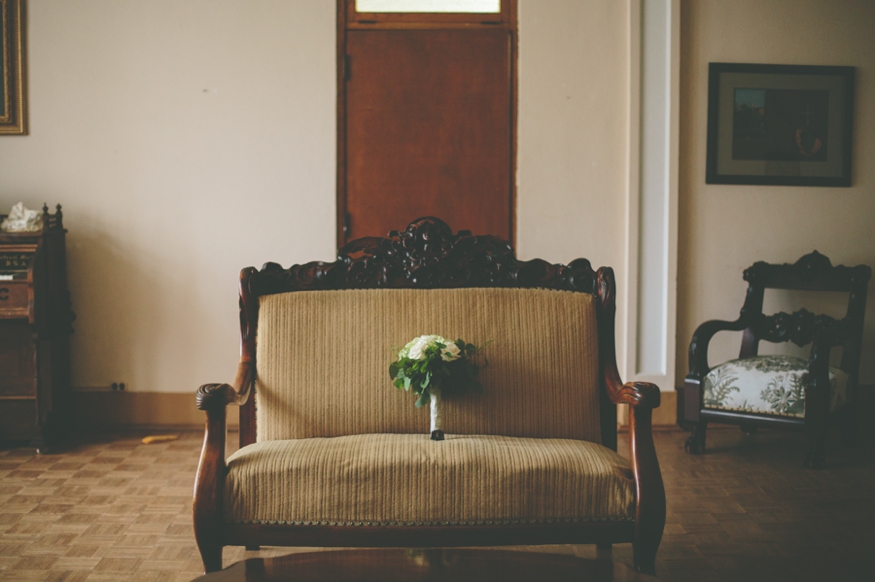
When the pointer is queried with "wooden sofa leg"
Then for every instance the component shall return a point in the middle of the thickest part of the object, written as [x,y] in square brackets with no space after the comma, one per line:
[644,556]
[211,554]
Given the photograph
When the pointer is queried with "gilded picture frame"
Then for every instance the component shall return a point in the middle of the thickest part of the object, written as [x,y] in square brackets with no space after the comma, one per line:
[13,97]
[779,124]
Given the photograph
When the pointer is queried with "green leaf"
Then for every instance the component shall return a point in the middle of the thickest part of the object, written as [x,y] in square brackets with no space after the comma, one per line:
[424,399]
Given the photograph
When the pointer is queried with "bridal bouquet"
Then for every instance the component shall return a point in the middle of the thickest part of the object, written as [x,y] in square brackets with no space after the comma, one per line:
[432,366]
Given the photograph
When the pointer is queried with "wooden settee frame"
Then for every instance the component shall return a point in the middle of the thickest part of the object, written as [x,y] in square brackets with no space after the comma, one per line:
[428,255]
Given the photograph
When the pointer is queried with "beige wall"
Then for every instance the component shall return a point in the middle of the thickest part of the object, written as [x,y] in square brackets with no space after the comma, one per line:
[573,131]
[185,140]
[724,228]
[188,139]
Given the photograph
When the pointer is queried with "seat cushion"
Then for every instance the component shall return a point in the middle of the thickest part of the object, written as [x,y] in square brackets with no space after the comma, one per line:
[768,385]
[398,479]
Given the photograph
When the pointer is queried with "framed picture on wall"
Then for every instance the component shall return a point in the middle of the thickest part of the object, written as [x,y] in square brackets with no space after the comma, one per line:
[13,99]
[779,124]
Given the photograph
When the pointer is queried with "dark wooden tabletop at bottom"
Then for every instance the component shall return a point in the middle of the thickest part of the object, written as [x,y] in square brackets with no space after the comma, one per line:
[431,565]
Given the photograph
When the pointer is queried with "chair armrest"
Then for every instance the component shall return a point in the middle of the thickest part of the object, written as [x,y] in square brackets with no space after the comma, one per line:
[642,398]
[636,394]
[209,480]
[699,344]
[215,396]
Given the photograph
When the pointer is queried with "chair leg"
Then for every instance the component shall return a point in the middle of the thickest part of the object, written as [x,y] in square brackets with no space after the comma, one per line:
[211,555]
[816,443]
[644,556]
[848,427]
[695,444]
[814,456]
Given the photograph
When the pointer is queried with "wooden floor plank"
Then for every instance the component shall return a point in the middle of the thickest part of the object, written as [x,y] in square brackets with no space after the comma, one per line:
[112,508]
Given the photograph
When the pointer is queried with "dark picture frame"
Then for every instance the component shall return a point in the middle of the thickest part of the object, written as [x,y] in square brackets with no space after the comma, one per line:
[13,94]
[779,124]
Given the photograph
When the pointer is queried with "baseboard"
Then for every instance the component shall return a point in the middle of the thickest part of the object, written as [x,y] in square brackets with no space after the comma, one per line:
[108,410]
[114,410]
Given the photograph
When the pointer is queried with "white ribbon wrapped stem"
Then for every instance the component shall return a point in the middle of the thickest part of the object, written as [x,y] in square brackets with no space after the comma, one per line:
[437,422]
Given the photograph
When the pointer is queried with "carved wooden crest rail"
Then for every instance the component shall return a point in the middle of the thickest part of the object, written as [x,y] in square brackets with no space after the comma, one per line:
[427,255]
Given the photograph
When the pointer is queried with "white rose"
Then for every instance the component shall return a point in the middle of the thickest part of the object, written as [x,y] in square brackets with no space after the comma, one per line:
[418,347]
[451,352]
[415,349]
[405,351]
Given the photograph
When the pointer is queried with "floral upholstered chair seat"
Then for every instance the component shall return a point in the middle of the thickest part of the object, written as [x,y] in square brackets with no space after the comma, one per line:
[767,385]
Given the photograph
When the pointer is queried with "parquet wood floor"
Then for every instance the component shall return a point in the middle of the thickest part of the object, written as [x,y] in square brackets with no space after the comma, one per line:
[114,509]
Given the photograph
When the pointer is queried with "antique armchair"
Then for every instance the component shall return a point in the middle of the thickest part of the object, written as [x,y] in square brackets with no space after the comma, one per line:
[332,455]
[782,391]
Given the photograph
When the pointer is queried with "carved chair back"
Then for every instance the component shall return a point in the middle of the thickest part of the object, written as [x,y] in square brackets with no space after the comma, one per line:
[432,263]
[813,272]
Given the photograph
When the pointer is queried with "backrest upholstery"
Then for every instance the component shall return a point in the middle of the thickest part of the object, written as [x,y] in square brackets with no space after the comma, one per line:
[323,359]
[325,332]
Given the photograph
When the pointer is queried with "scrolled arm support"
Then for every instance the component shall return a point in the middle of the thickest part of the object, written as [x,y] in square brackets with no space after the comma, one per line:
[215,396]
[642,398]
[208,487]
[636,394]
[702,337]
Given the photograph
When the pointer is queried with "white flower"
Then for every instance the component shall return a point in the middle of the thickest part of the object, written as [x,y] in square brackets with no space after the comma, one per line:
[451,352]
[415,348]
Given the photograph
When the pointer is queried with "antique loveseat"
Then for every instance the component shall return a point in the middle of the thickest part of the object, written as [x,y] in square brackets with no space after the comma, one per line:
[331,454]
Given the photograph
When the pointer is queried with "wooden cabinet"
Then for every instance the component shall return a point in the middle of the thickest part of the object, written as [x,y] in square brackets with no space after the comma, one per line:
[35,327]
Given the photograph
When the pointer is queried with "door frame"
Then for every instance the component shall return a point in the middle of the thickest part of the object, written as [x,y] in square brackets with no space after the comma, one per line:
[506,19]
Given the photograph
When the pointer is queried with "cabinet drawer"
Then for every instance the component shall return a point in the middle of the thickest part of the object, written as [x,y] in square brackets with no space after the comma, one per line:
[18,419]
[14,299]
[17,365]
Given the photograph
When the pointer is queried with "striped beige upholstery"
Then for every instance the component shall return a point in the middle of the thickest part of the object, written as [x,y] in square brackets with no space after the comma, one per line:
[389,479]
[323,362]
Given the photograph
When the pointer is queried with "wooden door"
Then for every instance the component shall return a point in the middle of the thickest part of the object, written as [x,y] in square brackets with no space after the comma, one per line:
[426,126]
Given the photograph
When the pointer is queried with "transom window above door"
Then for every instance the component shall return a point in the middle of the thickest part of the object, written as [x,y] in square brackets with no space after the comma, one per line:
[438,6]
[428,13]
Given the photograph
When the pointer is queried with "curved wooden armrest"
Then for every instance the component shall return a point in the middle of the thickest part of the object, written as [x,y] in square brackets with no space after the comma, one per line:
[637,394]
[702,337]
[642,398]
[213,396]
[210,396]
